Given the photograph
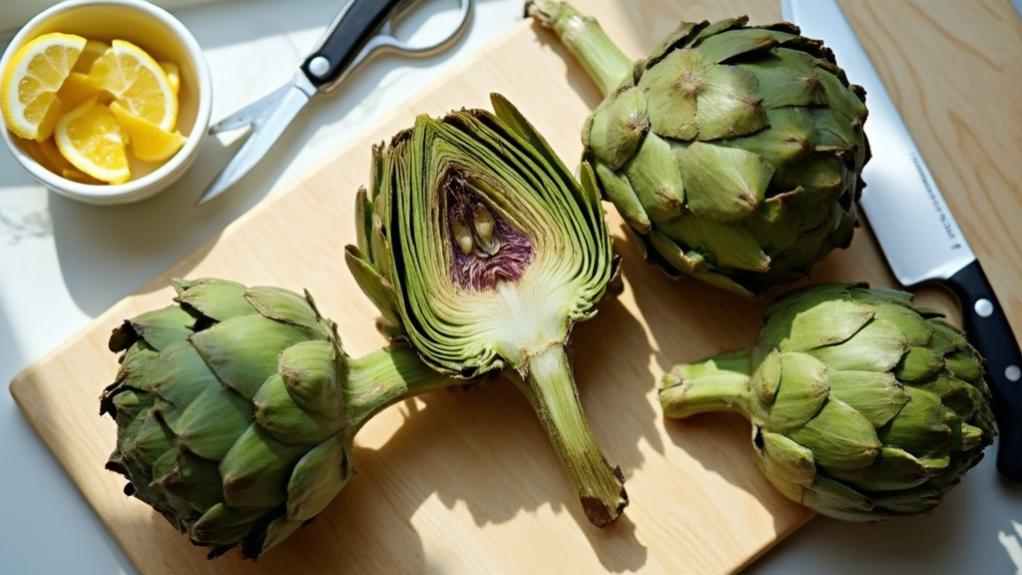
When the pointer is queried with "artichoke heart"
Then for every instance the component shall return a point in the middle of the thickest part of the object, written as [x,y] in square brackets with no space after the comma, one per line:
[863,406]
[481,251]
[236,409]
[734,152]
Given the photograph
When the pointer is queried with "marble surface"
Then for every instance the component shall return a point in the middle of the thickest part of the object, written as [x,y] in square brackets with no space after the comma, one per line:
[62,263]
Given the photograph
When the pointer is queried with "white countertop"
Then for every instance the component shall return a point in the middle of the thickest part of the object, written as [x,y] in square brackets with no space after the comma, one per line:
[62,263]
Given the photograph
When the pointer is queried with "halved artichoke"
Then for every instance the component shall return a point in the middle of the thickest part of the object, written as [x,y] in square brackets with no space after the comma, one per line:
[862,404]
[481,250]
[236,410]
[732,151]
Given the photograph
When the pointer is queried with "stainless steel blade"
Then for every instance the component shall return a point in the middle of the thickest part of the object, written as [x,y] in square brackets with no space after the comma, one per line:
[912,222]
[265,133]
[250,114]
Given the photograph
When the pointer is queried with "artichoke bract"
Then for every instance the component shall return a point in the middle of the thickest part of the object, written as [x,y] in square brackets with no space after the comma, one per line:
[236,410]
[863,405]
[732,151]
[481,251]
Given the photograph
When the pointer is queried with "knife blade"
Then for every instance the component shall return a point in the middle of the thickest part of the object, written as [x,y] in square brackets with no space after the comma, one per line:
[915,228]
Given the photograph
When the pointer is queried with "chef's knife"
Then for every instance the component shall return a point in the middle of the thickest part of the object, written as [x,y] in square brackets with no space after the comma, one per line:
[916,230]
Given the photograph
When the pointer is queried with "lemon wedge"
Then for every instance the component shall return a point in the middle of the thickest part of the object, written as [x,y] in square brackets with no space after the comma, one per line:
[77,88]
[28,91]
[173,75]
[148,142]
[92,51]
[91,139]
[137,82]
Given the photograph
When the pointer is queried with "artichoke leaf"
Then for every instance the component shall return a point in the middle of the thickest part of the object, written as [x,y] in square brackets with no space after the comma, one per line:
[317,478]
[163,327]
[721,244]
[802,392]
[727,104]
[213,421]
[785,461]
[671,90]
[839,500]
[839,436]
[283,419]
[620,192]
[879,346]
[829,323]
[216,299]
[653,173]
[285,306]
[919,363]
[224,525]
[920,428]
[256,470]
[723,184]
[243,350]
[894,469]
[618,127]
[877,396]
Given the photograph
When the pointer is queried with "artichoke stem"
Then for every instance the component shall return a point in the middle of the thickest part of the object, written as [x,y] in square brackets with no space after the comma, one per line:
[719,383]
[384,377]
[550,387]
[605,63]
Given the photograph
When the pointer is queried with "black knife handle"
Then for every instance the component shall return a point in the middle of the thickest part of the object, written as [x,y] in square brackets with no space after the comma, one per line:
[989,331]
[347,35]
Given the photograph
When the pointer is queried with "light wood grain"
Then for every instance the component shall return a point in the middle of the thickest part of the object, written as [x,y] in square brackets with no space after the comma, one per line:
[464,481]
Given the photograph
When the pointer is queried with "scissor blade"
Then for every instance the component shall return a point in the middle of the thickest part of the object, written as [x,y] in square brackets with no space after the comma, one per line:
[265,134]
[250,114]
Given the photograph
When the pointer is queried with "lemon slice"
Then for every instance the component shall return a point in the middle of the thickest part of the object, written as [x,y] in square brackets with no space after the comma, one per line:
[148,142]
[91,139]
[173,75]
[28,91]
[92,51]
[137,82]
[77,88]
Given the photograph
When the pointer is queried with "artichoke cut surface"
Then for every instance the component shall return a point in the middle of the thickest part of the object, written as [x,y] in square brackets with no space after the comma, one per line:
[863,405]
[481,250]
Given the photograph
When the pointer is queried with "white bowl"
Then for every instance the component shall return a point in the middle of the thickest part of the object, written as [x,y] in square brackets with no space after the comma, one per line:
[166,39]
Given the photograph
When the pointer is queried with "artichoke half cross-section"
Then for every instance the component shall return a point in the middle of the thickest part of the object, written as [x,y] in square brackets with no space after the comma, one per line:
[481,250]
[734,152]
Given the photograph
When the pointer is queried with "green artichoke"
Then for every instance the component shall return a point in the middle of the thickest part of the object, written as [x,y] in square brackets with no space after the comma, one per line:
[481,251]
[236,409]
[862,405]
[732,151]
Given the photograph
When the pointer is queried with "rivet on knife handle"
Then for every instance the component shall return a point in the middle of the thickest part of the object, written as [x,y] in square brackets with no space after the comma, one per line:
[989,330]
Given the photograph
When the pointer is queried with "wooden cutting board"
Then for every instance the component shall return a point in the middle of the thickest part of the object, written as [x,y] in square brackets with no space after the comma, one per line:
[464,481]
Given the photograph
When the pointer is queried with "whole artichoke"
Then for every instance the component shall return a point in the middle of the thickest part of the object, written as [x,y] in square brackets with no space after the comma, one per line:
[862,405]
[481,251]
[732,151]
[236,409]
